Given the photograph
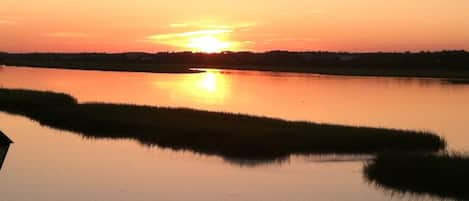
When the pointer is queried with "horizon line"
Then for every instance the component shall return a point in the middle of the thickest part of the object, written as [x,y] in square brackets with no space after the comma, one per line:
[247,51]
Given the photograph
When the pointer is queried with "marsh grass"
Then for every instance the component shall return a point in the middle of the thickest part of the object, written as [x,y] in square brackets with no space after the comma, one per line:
[229,135]
[444,175]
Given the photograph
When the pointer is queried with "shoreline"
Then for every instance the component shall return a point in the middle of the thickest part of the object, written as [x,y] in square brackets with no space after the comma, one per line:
[459,76]
[446,64]
[137,68]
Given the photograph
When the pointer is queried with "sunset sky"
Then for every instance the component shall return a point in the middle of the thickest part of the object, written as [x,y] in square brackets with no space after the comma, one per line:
[216,25]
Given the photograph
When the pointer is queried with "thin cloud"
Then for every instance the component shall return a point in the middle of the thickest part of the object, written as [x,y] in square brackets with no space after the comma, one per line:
[192,31]
[296,39]
[189,34]
[211,25]
[66,35]
[316,12]
[8,20]
[191,40]
[179,25]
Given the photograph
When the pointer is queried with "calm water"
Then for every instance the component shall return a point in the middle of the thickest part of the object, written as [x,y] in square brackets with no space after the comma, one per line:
[46,164]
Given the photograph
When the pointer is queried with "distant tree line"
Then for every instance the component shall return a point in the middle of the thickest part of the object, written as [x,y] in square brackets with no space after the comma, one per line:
[441,59]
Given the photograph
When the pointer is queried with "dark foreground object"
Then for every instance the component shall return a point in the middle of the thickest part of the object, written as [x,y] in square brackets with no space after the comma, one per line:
[230,135]
[4,140]
[4,145]
[446,176]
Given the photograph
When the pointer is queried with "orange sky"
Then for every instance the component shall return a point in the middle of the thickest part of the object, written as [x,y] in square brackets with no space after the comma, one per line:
[212,25]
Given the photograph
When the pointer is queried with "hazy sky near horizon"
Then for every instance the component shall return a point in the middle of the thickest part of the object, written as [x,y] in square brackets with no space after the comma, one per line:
[212,25]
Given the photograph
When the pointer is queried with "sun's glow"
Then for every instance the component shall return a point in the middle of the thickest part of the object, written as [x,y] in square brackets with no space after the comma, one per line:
[208,44]
[213,40]
[209,82]
[210,87]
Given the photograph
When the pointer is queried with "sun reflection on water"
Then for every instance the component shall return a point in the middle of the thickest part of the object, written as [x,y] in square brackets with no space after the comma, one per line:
[208,88]
[209,82]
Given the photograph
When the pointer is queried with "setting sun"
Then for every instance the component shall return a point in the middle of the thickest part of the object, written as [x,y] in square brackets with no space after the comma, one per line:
[208,44]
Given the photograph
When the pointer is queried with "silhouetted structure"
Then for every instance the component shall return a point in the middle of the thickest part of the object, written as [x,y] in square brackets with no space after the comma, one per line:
[4,145]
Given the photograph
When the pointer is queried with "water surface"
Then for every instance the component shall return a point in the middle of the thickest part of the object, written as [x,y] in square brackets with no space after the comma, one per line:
[48,164]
